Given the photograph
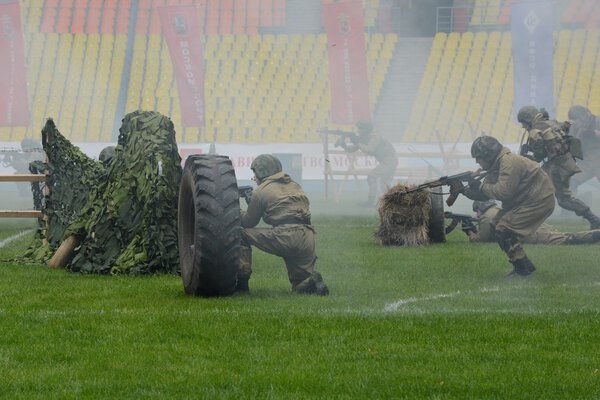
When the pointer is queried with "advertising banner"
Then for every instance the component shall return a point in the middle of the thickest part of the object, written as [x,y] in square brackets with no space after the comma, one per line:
[14,99]
[344,24]
[182,29]
[532,26]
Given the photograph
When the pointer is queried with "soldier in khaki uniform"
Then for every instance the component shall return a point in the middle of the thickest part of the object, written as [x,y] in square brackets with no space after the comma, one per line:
[377,146]
[547,144]
[545,234]
[525,191]
[281,203]
[586,127]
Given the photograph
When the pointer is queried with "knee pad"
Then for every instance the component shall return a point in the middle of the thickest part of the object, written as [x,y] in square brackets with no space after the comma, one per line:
[506,240]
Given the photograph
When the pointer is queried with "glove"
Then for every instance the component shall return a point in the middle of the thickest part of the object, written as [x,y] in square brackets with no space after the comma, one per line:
[475,185]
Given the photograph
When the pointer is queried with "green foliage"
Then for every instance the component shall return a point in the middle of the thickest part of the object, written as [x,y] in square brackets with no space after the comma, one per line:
[130,220]
[435,322]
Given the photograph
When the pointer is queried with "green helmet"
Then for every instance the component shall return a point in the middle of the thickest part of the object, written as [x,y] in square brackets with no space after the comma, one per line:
[364,127]
[486,148]
[265,165]
[527,114]
[107,154]
[579,113]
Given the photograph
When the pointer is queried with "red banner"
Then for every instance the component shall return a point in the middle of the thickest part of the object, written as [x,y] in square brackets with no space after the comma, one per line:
[182,29]
[14,100]
[344,24]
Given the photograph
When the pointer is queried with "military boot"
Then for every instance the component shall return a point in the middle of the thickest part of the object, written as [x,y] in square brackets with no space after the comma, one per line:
[592,219]
[241,286]
[522,267]
[312,285]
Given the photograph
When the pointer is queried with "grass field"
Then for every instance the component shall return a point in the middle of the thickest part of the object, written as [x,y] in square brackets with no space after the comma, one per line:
[438,322]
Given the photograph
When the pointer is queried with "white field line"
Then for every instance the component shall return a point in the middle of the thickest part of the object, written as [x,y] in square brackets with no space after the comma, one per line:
[15,237]
[395,306]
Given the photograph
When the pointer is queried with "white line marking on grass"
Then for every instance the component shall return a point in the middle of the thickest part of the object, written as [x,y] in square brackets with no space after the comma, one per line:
[395,306]
[15,237]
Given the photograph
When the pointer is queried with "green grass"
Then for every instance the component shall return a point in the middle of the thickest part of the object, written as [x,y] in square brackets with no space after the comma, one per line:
[437,322]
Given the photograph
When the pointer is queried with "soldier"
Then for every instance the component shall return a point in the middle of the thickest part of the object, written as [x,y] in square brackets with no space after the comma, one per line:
[586,127]
[281,203]
[548,144]
[526,193]
[373,144]
[546,234]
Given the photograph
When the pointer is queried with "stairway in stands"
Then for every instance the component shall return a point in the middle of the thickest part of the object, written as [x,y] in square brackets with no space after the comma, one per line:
[401,86]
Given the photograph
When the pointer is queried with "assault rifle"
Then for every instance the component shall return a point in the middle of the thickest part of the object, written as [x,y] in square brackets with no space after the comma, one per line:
[245,192]
[354,138]
[467,222]
[454,181]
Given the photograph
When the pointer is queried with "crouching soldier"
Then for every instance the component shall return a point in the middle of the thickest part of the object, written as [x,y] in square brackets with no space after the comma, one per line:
[526,193]
[281,203]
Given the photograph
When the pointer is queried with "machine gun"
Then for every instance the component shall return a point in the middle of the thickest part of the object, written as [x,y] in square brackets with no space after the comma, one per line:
[467,222]
[344,135]
[245,192]
[454,181]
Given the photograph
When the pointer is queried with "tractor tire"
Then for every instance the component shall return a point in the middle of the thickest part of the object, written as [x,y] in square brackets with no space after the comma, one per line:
[437,228]
[208,226]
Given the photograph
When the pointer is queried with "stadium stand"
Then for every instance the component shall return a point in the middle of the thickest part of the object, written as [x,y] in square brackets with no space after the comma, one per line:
[266,87]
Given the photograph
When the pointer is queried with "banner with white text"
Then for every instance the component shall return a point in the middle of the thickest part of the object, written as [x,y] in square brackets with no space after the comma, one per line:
[532,26]
[182,29]
[344,24]
[14,98]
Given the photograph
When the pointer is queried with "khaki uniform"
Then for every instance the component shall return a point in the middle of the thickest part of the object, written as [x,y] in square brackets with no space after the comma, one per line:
[588,132]
[551,148]
[281,203]
[545,234]
[527,198]
[385,154]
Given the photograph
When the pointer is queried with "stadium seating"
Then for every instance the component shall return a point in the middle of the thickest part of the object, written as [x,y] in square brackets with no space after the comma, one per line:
[275,87]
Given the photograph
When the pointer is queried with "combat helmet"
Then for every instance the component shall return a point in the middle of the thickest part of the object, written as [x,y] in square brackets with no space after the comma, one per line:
[364,127]
[265,165]
[579,113]
[527,114]
[107,154]
[483,206]
[486,148]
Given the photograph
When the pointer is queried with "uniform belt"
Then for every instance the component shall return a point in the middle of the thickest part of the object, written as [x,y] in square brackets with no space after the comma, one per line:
[294,221]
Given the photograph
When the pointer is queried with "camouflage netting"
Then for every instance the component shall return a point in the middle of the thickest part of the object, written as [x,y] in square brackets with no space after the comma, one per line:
[129,222]
[72,175]
[403,218]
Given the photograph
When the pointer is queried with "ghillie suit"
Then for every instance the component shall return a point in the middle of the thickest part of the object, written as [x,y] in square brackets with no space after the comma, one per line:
[128,223]
[404,218]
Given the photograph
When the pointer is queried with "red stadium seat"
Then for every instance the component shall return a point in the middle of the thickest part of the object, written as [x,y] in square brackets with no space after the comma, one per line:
[108,20]
[569,13]
[64,20]
[49,20]
[212,18]
[266,13]
[252,16]
[93,20]
[226,17]
[78,20]
[504,17]
[279,12]
[239,17]
[123,20]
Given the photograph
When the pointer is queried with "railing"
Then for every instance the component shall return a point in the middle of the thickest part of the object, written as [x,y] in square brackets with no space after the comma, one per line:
[22,178]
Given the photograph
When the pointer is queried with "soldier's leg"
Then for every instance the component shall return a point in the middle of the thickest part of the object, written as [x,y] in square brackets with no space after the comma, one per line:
[245,269]
[566,200]
[510,244]
[372,182]
[586,237]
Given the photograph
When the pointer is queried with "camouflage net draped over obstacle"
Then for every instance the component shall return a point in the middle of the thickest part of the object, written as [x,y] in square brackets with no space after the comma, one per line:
[403,218]
[129,222]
